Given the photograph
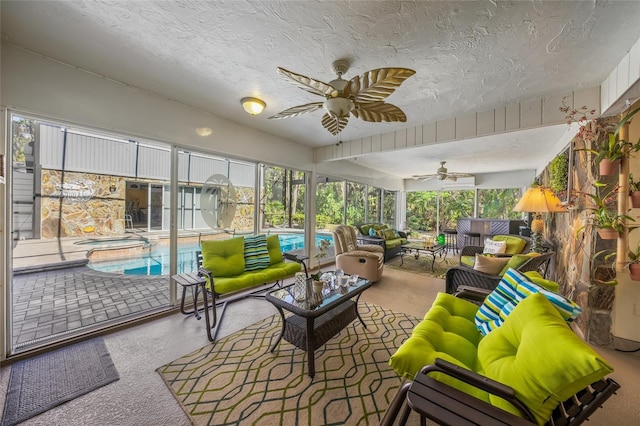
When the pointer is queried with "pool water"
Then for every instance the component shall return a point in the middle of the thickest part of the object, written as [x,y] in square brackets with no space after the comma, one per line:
[156,262]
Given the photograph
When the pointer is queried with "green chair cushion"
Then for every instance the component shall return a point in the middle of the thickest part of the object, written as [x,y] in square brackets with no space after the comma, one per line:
[224,258]
[515,244]
[447,331]
[538,355]
[535,277]
[468,260]
[275,252]
[256,254]
[517,260]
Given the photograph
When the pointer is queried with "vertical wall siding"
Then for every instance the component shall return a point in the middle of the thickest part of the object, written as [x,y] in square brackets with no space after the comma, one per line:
[93,154]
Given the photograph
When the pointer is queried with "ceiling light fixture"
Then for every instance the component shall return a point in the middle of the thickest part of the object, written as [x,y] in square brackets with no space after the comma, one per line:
[204,131]
[253,106]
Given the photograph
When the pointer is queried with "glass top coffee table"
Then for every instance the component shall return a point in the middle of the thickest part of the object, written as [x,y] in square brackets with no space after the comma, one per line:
[431,251]
[317,318]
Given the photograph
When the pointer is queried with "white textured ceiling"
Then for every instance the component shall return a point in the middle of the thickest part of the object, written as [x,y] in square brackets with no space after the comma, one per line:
[468,56]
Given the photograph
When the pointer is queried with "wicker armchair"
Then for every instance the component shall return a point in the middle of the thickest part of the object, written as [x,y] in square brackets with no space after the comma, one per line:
[463,275]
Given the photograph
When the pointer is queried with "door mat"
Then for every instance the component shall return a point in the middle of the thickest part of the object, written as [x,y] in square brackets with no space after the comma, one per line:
[45,381]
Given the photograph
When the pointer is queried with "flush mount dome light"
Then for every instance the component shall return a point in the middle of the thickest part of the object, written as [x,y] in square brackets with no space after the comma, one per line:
[204,131]
[253,106]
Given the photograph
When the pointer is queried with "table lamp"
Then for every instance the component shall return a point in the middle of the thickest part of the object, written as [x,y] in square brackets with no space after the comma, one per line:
[538,200]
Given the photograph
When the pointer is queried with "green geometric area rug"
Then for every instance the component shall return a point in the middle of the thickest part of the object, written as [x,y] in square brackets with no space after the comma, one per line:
[238,381]
[422,265]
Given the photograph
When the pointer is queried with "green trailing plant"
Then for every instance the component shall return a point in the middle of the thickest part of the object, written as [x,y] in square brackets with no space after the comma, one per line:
[315,276]
[559,171]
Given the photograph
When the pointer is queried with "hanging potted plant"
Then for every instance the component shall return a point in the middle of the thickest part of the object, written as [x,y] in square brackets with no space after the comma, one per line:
[609,156]
[634,264]
[634,192]
[608,223]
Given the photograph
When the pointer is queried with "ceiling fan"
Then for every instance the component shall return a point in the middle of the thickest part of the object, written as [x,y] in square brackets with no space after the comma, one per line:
[361,96]
[443,174]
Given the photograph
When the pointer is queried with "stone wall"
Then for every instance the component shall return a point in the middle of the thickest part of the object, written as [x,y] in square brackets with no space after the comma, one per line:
[574,268]
[81,206]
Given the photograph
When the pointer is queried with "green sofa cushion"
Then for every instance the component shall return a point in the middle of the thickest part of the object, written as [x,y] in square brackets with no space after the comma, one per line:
[224,258]
[229,284]
[389,234]
[256,255]
[276,272]
[448,331]
[515,244]
[273,246]
[538,355]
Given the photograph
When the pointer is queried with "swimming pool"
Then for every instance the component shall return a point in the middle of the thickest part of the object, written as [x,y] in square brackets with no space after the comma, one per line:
[156,262]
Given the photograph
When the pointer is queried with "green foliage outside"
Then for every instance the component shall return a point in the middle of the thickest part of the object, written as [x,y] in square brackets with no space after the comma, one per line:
[499,203]
[422,214]
[23,132]
[283,198]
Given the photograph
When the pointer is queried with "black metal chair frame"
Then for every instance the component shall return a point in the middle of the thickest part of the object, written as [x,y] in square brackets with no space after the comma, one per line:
[213,324]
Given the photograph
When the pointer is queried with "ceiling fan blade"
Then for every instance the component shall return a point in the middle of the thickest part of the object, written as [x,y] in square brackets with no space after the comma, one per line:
[424,178]
[461,175]
[379,111]
[298,110]
[375,85]
[333,124]
[309,84]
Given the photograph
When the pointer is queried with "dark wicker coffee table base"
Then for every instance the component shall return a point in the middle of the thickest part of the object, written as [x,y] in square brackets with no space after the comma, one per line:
[324,327]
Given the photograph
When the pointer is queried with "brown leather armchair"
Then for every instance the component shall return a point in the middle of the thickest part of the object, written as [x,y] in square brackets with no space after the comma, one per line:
[366,260]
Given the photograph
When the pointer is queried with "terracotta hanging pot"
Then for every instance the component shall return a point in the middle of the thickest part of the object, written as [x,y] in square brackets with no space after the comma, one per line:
[608,167]
[634,271]
[634,199]
[608,233]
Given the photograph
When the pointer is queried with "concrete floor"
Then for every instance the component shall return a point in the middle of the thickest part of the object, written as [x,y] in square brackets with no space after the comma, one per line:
[141,398]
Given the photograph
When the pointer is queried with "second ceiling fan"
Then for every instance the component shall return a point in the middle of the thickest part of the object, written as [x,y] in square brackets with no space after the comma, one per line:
[361,96]
[443,174]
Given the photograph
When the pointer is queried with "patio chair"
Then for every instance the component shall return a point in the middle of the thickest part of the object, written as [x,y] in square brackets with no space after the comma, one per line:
[532,369]
[366,260]
[463,275]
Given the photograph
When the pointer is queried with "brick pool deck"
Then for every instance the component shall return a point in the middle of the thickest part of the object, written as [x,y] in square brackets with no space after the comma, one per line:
[52,303]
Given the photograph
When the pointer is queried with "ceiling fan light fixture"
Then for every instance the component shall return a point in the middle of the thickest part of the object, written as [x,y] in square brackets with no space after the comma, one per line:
[338,107]
[253,106]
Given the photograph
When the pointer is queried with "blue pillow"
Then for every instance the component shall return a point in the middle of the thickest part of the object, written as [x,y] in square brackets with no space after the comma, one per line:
[372,232]
[513,288]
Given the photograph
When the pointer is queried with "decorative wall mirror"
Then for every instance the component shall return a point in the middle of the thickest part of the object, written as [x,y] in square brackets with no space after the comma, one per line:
[218,202]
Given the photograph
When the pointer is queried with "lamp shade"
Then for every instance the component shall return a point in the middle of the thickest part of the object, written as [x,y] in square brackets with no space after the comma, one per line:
[253,106]
[539,199]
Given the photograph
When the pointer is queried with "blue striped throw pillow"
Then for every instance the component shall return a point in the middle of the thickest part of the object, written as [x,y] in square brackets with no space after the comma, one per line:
[512,289]
[256,255]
